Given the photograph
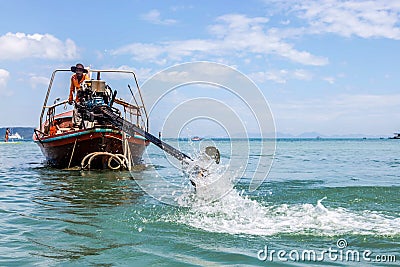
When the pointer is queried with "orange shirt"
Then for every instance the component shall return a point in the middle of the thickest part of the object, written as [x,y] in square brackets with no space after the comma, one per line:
[53,130]
[76,85]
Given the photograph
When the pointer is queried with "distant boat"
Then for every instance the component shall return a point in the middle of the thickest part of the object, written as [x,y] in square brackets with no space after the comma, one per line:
[196,138]
[396,136]
[15,137]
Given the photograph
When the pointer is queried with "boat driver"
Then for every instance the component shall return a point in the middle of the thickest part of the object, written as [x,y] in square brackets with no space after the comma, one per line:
[80,75]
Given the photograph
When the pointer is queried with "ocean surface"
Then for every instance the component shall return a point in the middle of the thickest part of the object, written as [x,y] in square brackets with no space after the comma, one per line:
[324,202]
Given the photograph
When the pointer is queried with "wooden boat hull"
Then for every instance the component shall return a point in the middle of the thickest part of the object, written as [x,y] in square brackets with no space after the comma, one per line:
[67,150]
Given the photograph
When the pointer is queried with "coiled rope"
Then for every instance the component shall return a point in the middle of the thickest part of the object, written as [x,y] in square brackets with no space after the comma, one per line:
[121,160]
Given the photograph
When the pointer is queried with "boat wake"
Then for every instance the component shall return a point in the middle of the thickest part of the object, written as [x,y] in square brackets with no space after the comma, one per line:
[216,206]
[237,214]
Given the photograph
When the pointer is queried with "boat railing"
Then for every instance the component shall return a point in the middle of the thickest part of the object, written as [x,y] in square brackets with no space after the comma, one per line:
[56,104]
[47,97]
[139,104]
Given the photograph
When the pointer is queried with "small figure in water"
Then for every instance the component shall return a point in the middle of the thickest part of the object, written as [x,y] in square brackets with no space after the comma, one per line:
[7,135]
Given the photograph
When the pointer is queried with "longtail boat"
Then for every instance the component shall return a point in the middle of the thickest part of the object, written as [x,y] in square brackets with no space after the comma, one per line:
[96,143]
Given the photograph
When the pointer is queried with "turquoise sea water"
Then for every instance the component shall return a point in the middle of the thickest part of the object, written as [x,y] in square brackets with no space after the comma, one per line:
[337,196]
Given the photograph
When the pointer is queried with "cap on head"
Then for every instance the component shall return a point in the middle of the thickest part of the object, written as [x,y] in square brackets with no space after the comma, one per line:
[79,66]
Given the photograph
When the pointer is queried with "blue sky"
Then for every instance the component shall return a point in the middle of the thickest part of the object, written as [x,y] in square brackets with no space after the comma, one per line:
[329,66]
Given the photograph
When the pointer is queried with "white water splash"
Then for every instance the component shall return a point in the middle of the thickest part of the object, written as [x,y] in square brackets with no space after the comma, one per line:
[211,181]
[235,214]
[217,207]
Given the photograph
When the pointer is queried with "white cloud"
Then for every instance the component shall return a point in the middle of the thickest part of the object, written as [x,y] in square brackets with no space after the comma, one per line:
[234,34]
[278,76]
[36,81]
[181,8]
[366,102]
[4,76]
[344,104]
[154,17]
[141,52]
[330,80]
[281,76]
[242,34]
[15,46]
[201,71]
[302,75]
[141,73]
[285,22]
[173,76]
[366,19]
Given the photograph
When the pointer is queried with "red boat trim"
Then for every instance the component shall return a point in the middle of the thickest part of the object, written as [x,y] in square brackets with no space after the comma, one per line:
[76,134]
[89,134]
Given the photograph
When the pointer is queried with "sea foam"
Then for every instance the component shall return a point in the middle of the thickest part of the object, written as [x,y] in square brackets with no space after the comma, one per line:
[234,213]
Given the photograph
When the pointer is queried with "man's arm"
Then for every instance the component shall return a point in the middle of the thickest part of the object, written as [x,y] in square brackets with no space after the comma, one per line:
[71,91]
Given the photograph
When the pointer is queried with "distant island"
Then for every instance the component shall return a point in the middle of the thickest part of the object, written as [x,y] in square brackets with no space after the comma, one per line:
[25,132]
[319,135]
[305,135]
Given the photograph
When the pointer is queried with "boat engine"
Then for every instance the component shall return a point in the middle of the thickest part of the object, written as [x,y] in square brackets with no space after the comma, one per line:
[94,93]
